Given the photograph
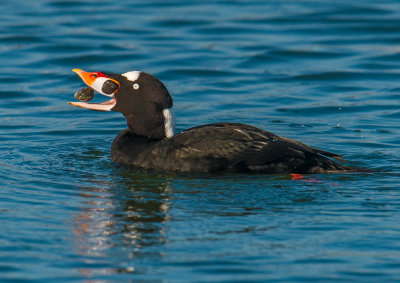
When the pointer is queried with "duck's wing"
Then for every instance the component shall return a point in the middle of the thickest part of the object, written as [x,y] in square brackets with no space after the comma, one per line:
[241,145]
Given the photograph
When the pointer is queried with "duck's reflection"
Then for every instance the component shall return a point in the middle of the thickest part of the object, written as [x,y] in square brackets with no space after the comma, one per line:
[121,217]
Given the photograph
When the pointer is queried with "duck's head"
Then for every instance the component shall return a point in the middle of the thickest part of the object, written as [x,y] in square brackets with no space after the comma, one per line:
[140,97]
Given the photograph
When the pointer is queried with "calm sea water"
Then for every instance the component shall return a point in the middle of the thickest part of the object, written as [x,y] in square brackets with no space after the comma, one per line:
[326,73]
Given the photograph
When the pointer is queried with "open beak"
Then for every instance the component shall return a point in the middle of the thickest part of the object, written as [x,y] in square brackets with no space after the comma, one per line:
[96,80]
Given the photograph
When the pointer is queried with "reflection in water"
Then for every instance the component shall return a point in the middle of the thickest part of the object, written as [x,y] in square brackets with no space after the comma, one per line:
[125,213]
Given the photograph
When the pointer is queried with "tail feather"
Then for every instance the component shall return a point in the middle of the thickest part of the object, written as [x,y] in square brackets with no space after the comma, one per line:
[329,154]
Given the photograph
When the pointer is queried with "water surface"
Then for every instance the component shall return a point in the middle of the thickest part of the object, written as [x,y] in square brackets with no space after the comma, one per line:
[322,72]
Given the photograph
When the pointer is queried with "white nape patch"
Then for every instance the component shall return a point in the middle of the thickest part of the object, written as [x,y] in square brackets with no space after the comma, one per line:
[132,75]
[169,122]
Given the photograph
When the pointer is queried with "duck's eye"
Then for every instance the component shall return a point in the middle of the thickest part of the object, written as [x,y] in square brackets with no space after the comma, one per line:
[94,75]
[136,86]
[109,87]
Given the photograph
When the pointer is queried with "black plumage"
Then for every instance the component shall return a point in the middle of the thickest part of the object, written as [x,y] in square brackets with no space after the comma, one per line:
[222,147]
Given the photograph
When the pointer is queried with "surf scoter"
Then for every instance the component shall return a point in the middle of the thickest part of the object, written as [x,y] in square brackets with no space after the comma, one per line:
[149,141]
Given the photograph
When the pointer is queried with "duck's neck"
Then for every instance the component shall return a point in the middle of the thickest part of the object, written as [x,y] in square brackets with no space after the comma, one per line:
[169,122]
[159,125]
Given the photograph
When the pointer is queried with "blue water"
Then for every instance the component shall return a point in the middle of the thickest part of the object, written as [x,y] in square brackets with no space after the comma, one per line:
[326,73]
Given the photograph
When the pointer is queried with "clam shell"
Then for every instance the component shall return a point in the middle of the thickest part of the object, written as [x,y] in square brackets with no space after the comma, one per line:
[84,94]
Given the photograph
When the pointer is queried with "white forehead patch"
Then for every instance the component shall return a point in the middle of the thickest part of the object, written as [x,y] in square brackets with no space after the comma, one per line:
[132,75]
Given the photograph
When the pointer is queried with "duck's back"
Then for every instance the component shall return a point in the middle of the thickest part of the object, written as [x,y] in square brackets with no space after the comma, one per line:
[223,147]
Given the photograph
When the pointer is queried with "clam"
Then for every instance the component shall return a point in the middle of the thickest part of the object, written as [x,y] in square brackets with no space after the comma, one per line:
[84,94]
